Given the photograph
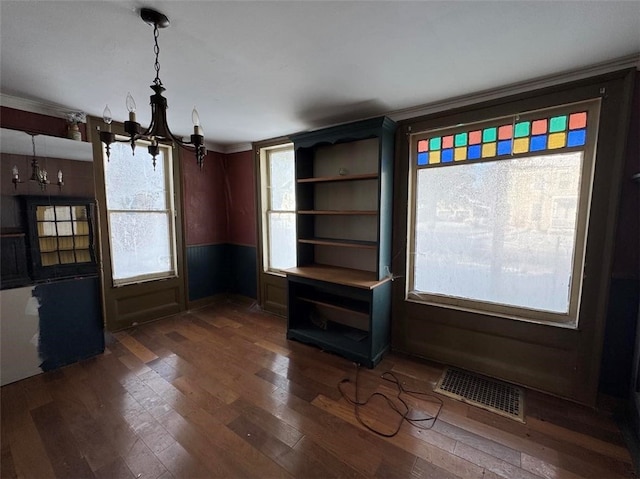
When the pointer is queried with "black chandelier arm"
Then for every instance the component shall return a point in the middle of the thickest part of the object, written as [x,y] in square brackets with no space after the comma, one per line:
[158,130]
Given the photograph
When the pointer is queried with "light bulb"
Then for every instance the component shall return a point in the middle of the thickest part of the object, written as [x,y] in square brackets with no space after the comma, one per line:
[131,106]
[106,117]
[14,172]
[60,176]
[195,118]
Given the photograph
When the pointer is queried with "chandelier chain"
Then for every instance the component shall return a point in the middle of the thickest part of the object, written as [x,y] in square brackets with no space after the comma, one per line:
[156,49]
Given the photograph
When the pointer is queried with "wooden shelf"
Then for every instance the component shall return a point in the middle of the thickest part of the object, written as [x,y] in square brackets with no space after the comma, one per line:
[340,242]
[339,304]
[323,179]
[336,299]
[333,274]
[338,212]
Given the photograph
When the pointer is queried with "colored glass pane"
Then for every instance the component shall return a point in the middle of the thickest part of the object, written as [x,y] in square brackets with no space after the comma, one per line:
[474,152]
[578,120]
[504,147]
[538,142]
[520,145]
[447,155]
[434,157]
[505,132]
[447,141]
[488,150]
[423,158]
[489,135]
[461,139]
[475,137]
[434,143]
[558,123]
[522,129]
[423,145]
[577,138]
[460,153]
[539,127]
[557,140]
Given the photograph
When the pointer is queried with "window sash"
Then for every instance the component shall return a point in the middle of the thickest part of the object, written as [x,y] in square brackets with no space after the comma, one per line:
[585,189]
[166,161]
[268,208]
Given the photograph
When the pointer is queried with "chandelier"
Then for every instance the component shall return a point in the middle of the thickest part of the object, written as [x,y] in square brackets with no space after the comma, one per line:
[38,175]
[158,130]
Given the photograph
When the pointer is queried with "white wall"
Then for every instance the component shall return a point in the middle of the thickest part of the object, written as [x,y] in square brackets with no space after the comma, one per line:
[19,333]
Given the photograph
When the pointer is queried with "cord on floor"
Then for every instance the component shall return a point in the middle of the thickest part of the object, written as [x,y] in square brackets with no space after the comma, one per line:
[404,414]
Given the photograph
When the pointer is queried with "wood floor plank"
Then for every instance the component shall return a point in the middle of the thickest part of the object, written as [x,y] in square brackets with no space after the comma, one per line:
[491,463]
[221,392]
[30,458]
[138,349]
[437,451]
[92,444]
[62,450]
[117,469]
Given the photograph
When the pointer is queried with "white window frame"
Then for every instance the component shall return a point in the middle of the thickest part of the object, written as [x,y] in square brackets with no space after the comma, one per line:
[142,155]
[265,182]
[569,320]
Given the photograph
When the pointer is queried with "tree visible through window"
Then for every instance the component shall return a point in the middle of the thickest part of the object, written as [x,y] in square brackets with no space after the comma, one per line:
[140,214]
[499,213]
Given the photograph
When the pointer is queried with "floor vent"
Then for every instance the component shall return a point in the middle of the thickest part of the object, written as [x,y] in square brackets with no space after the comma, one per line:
[495,396]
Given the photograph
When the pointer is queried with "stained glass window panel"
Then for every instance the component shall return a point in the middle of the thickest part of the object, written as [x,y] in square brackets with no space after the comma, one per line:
[538,143]
[578,120]
[461,139]
[552,132]
[504,147]
[475,137]
[489,135]
[577,138]
[505,132]
[522,129]
[558,123]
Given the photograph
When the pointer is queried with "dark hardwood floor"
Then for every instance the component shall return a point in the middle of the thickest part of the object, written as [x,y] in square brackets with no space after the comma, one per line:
[220,392]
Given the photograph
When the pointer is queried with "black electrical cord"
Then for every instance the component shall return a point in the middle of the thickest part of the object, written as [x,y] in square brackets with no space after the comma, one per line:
[403,414]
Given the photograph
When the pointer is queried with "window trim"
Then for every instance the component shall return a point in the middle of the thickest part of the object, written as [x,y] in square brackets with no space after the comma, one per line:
[167,158]
[265,202]
[571,318]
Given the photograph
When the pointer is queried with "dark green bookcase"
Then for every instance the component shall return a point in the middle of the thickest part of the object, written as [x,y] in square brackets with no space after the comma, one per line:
[340,292]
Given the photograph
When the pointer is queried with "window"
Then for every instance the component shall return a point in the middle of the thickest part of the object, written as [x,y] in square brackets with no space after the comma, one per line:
[60,236]
[279,206]
[499,213]
[141,214]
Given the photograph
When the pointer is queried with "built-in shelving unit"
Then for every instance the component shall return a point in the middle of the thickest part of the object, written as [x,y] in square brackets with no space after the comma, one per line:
[340,293]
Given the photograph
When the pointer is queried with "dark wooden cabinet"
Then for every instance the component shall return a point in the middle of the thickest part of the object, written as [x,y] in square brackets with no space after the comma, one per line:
[14,272]
[60,237]
[340,292]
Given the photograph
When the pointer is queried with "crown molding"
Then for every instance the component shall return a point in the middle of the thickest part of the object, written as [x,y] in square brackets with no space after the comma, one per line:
[629,61]
[33,106]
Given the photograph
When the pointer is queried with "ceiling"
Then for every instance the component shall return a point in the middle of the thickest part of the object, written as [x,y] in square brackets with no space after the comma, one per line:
[258,70]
